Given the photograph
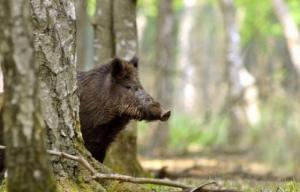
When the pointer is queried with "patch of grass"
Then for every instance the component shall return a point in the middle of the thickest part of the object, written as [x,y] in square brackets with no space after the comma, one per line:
[243,185]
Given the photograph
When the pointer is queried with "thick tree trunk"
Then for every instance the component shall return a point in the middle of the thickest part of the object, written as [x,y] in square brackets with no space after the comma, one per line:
[55,48]
[122,155]
[243,93]
[164,60]
[26,158]
[54,37]
[291,32]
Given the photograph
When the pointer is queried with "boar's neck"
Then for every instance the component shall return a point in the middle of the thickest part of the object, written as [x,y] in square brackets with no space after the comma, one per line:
[95,105]
[100,123]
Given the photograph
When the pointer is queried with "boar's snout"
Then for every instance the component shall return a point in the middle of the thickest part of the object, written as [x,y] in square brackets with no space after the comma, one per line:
[150,109]
[165,115]
[156,112]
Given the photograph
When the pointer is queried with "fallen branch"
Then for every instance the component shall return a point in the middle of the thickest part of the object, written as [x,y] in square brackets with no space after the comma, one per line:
[124,178]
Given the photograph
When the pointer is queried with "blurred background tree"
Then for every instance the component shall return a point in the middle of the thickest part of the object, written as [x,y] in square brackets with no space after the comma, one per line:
[164,68]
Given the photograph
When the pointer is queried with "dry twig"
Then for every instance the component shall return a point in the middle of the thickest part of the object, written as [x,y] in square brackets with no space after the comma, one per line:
[124,178]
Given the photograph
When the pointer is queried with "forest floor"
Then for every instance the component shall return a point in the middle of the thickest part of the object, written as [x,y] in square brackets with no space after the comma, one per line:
[231,171]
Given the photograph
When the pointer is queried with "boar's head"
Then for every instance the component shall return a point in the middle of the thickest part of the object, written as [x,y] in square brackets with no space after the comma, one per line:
[133,101]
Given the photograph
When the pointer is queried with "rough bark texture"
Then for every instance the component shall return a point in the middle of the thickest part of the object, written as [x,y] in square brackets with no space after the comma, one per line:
[103,31]
[291,32]
[243,93]
[125,29]
[55,39]
[26,158]
[164,60]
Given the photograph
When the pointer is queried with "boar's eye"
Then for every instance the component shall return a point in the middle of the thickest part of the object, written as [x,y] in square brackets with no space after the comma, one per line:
[128,86]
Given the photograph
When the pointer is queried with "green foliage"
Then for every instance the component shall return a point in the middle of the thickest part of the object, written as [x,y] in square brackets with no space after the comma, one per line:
[148,7]
[91,7]
[188,131]
[259,21]
[294,6]
[177,5]
[291,187]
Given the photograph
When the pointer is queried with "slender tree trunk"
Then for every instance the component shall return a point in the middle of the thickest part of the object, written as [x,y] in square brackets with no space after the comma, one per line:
[26,158]
[243,93]
[186,90]
[123,153]
[291,32]
[81,25]
[164,66]
[116,35]
[103,31]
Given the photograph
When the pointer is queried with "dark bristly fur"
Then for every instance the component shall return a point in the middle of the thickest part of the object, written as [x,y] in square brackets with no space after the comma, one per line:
[110,96]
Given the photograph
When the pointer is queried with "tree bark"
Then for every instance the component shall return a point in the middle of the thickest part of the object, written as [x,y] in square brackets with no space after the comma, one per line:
[243,109]
[55,43]
[103,31]
[26,158]
[164,42]
[291,32]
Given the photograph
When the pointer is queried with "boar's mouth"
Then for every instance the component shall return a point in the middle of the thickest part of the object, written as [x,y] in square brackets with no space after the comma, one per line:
[154,111]
[148,115]
[165,115]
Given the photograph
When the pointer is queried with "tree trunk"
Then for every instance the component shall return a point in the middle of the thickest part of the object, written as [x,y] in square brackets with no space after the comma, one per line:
[291,32]
[116,35]
[187,92]
[26,158]
[164,41]
[123,153]
[55,39]
[103,31]
[243,93]
[81,22]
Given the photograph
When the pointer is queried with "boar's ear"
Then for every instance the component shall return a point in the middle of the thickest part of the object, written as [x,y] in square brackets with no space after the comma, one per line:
[117,67]
[135,61]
